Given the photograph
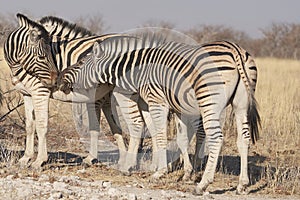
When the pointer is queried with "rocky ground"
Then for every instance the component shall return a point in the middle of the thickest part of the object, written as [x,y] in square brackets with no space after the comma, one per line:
[73,187]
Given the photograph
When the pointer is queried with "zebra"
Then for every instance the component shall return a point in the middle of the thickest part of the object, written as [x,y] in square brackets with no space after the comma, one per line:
[33,57]
[33,71]
[192,80]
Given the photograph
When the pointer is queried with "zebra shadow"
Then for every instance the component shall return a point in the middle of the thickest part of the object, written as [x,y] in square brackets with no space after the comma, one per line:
[230,165]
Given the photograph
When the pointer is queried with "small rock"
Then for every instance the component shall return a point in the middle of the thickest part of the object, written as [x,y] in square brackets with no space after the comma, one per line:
[131,196]
[106,184]
[9,177]
[81,171]
[180,194]
[56,195]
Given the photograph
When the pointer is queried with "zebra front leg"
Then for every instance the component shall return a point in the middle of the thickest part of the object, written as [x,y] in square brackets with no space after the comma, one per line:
[30,131]
[41,108]
[94,114]
[108,108]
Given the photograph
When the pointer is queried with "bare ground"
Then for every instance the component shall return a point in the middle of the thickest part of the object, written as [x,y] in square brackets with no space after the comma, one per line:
[66,177]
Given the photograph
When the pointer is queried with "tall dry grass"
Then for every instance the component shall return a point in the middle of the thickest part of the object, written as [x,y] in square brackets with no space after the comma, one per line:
[278,94]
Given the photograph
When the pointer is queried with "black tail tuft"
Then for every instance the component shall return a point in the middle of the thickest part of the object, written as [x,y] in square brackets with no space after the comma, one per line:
[253,119]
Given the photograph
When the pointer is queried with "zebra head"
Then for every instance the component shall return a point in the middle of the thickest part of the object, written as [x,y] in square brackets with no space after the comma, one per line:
[28,47]
[67,79]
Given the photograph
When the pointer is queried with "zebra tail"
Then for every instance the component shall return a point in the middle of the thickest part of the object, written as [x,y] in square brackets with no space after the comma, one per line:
[252,112]
[253,118]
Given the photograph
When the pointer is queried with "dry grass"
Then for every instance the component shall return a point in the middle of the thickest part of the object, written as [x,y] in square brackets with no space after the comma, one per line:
[273,162]
[278,93]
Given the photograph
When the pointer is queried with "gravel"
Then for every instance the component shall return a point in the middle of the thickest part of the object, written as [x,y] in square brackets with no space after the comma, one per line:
[73,187]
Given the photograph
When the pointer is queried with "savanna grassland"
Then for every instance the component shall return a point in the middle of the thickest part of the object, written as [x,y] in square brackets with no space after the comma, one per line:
[274,161]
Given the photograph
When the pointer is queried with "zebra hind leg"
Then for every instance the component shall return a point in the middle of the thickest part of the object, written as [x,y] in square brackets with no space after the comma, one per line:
[159,115]
[240,106]
[183,142]
[200,145]
[214,139]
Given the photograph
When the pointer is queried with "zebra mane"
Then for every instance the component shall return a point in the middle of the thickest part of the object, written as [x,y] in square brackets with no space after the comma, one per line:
[61,28]
[122,44]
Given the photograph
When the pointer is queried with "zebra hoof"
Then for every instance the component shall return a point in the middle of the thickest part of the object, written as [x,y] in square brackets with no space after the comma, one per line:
[201,192]
[241,190]
[88,161]
[24,162]
[126,172]
[159,174]
[37,165]
[187,176]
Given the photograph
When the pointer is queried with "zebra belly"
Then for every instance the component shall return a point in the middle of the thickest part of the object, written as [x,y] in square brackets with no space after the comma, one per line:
[83,95]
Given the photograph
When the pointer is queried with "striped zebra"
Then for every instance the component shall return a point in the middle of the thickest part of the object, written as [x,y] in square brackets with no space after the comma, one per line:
[33,71]
[29,51]
[191,80]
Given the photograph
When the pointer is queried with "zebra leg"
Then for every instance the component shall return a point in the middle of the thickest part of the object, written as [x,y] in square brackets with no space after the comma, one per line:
[240,105]
[214,139]
[159,115]
[183,143]
[41,110]
[30,130]
[200,144]
[129,109]
[115,129]
[94,112]
[143,106]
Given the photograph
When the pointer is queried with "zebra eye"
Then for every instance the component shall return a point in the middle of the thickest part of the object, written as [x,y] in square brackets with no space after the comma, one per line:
[33,36]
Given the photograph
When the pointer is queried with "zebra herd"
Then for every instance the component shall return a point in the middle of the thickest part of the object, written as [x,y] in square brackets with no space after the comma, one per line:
[148,76]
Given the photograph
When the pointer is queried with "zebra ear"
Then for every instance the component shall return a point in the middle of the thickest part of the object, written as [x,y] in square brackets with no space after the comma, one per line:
[22,19]
[97,50]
